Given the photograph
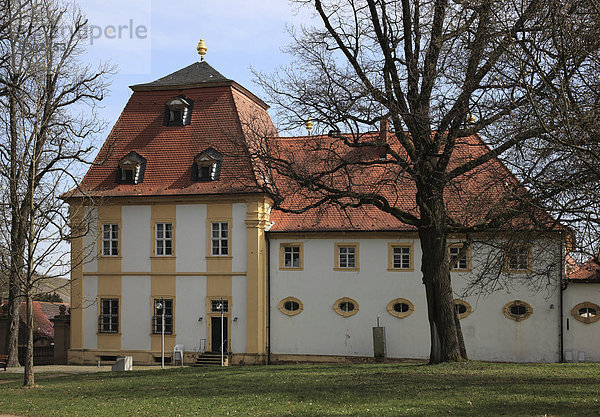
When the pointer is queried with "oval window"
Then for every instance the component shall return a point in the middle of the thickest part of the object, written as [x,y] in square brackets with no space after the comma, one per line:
[400,307]
[346,307]
[290,306]
[586,312]
[462,308]
[518,310]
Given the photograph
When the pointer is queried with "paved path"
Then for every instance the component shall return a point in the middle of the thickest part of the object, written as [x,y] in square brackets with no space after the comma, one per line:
[76,369]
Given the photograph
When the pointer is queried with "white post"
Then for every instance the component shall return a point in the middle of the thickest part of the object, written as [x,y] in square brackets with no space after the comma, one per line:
[162,340]
[161,306]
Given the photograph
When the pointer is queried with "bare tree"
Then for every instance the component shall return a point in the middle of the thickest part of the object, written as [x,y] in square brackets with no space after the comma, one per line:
[562,167]
[49,119]
[446,74]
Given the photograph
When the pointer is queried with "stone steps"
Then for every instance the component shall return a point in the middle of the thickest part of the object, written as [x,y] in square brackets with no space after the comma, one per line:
[210,359]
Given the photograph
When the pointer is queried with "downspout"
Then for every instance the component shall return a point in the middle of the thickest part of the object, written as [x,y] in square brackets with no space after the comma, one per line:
[563,286]
[268,299]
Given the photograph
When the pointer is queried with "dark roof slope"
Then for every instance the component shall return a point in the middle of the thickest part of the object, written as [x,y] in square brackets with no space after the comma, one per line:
[195,74]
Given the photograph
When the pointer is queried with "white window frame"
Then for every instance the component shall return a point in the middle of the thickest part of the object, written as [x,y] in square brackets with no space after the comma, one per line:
[110,242]
[463,263]
[291,254]
[347,256]
[157,319]
[403,257]
[518,259]
[219,242]
[110,326]
[161,230]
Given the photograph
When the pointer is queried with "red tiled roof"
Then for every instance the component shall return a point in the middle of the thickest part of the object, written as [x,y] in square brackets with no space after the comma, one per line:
[227,118]
[589,270]
[42,313]
[471,199]
[170,150]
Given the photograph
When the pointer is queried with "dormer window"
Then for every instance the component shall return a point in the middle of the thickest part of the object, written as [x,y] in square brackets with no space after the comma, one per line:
[207,165]
[131,168]
[178,111]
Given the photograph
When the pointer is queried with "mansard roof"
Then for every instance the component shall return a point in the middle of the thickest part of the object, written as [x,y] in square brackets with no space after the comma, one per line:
[217,122]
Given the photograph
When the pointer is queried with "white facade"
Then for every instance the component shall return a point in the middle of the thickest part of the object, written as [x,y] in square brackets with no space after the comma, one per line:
[319,330]
[582,340]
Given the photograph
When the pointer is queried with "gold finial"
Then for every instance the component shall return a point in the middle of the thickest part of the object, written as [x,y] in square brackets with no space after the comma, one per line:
[201,48]
[308,125]
[471,119]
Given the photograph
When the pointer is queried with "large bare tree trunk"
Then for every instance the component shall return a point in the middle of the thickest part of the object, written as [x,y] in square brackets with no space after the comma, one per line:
[445,344]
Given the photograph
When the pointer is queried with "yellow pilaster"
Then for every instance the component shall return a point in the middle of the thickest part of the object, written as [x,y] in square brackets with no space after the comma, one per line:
[77,255]
[256,281]
[109,286]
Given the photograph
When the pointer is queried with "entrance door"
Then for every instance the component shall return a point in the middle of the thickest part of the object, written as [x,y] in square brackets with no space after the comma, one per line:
[215,323]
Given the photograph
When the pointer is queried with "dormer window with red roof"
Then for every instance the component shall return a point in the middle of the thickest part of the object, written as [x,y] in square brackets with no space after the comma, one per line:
[207,165]
[131,168]
[178,111]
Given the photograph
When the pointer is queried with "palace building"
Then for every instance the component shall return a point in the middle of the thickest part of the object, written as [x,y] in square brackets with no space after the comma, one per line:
[173,215]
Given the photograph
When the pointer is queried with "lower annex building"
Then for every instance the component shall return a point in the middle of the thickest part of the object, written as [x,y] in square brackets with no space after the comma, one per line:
[174,213]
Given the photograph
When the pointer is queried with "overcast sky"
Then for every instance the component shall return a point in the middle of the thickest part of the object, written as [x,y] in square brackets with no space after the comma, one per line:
[148,39]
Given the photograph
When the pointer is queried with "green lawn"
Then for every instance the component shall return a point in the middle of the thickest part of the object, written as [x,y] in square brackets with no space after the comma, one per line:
[466,389]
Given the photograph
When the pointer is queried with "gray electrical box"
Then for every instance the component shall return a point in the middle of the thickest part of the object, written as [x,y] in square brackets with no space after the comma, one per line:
[379,344]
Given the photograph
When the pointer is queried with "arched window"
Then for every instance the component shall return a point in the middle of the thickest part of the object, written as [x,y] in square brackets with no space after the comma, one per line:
[291,306]
[131,168]
[518,310]
[400,307]
[346,307]
[207,165]
[178,111]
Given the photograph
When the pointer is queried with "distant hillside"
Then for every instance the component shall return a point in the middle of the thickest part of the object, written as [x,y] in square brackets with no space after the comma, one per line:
[60,286]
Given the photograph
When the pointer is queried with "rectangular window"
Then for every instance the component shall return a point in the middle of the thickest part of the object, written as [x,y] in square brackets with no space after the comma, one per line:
[220,239]
[108,321]
[110,239]
[216,306]
[347,256]
[462,263]
[518,258]
[291,257]
[401,257]
[164,239]
[161,305]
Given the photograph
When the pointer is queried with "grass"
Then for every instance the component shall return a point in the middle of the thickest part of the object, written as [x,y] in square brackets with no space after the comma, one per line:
[464,389]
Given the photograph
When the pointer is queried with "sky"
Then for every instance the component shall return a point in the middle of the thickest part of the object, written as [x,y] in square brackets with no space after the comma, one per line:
[148,39]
